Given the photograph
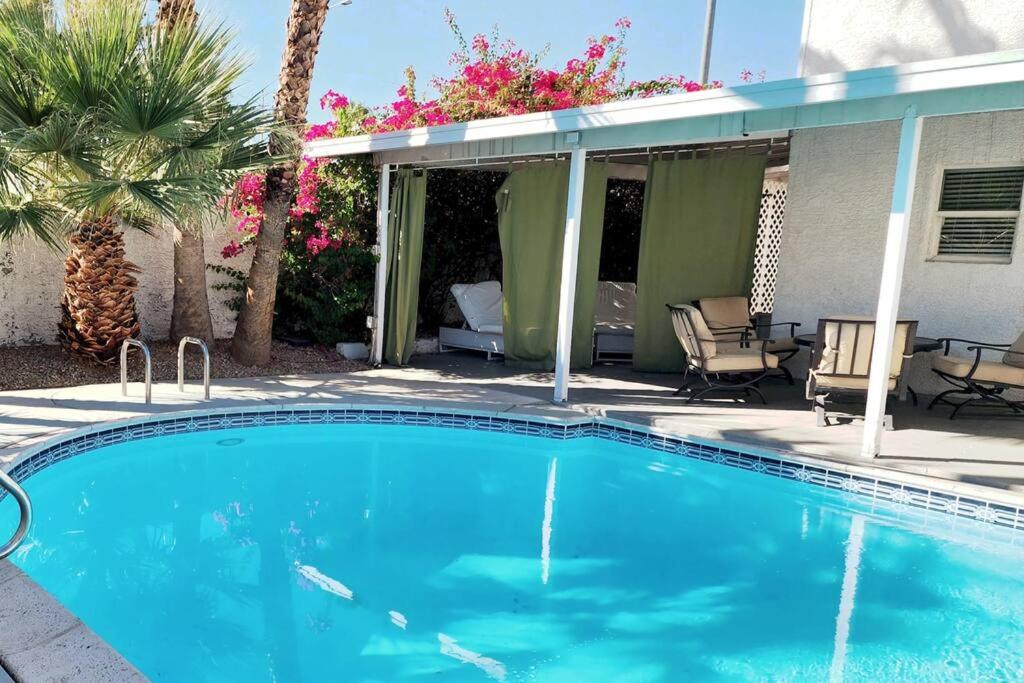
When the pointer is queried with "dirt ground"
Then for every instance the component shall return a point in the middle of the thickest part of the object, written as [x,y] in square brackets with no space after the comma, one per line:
[42,367]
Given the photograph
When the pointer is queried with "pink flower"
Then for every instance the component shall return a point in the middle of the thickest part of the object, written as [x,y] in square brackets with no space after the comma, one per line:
[624,22]
[480,44]
[333,101]
[232,250]
[746,76]
[321,130]
[595,51]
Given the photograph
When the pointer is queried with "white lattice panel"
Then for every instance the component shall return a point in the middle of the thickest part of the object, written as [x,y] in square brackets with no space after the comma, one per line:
[766,250]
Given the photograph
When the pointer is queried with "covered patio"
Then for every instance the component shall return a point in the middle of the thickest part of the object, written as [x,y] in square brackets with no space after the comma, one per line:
[737,118]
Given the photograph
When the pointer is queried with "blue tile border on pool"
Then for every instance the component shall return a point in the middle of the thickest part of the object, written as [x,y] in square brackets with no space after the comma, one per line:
[884,490]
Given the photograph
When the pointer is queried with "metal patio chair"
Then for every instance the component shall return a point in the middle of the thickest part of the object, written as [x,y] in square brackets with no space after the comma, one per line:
[841,363]
[726,369]
[981,382]
[729,319]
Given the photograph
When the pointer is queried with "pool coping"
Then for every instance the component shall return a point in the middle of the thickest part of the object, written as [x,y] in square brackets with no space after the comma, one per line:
[75,649]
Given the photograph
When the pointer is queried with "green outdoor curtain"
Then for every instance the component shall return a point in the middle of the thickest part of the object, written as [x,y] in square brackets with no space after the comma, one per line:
[405,251]
[697,240]
[531,223]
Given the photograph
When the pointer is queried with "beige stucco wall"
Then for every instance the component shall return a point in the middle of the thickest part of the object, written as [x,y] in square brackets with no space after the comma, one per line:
[840,186]
[31,279]
[840,35]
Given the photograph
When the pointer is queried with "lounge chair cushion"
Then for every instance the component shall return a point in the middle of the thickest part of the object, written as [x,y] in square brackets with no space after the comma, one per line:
[852,383]
[700,345]
[615,307]
[781,345]
[847,348]
[740,360]
[727,316]
[481,305]
[1016,359]
[988,371]
[620,330]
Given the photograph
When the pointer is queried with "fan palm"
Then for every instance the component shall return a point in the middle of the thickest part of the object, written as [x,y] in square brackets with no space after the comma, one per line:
[107,122]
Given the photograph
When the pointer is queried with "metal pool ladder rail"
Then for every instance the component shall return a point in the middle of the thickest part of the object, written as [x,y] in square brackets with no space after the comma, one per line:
[124,368]
[24,505]
[185,341]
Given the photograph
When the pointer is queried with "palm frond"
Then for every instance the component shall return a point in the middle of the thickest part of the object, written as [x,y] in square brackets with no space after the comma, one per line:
[45,221]
[60,140]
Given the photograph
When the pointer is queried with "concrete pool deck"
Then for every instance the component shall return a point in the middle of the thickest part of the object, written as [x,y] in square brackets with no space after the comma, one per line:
[983,451]
[40,640]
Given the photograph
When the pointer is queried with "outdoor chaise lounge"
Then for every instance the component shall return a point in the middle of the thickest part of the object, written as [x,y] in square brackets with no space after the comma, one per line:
[728,318]
[614,320]
[841,361]
[981,382]
[481,306]
[721,368]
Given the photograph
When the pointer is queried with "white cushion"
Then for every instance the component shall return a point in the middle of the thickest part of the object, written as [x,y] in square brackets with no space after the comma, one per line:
[615,306]
[481,305]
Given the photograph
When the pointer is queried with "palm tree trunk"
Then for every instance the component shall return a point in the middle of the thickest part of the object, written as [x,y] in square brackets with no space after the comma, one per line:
[98,303]
[251,344]
[190,313]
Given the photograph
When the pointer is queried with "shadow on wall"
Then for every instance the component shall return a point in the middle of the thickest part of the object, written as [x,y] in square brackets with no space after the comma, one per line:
[961,36]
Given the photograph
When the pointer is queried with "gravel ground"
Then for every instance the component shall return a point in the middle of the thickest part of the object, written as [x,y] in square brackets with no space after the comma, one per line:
[42,367]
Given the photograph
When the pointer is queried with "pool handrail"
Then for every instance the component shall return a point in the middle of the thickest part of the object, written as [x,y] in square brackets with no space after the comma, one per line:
[185,341]
[25,518]
[124,367]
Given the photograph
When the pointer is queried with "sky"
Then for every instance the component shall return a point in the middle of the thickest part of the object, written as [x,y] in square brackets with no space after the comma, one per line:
[367,45]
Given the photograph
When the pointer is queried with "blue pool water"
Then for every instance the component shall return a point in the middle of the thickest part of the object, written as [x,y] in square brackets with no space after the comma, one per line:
[384,553]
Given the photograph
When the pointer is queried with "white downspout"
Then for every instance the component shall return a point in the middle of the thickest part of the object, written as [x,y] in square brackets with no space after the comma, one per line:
[892,281]
[570,259]
[381,284]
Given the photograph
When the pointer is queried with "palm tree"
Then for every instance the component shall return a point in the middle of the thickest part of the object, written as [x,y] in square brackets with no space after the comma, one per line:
[190,312]
[251,343]
[106,123]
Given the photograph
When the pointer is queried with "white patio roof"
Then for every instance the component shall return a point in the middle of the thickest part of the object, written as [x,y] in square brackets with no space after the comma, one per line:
[960,85]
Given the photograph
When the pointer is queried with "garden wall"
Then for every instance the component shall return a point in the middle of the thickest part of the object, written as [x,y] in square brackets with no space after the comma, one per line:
[31,280]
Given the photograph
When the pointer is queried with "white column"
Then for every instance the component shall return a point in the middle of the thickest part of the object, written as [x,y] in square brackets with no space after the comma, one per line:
[381,286]
[892,281]
[570,259]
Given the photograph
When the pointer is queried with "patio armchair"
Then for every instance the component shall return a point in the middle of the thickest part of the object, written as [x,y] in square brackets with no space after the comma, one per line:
[841,362]
[980,382]
[730,322]
[720,367]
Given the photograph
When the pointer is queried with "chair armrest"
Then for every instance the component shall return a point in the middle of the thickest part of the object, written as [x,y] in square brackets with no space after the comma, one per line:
[792,326]
[728,328]
[947,341]
[994,347]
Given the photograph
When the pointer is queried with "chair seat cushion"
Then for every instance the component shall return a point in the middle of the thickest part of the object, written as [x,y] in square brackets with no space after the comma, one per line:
[988,371]
[740,360]
[782,345]
[852,383]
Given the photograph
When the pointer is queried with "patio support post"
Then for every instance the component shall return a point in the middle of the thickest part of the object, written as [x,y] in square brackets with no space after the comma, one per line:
[570,259]
[381,284]
[892,281]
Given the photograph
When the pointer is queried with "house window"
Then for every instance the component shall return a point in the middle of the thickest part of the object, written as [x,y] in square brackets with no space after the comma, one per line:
[979,211]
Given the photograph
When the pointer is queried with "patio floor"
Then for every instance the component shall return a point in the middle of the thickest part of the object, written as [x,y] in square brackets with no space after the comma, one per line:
[976,451]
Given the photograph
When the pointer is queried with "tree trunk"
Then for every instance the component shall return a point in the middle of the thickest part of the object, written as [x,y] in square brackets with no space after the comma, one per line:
[98,303]
[251,344]
[190,314]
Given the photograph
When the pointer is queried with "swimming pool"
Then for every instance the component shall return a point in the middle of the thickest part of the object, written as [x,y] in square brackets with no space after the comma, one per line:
[379,552]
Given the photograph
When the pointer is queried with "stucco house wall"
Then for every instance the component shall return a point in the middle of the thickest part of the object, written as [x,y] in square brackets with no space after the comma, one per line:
[840,187]
[840,183]
[31,281]
[840,35]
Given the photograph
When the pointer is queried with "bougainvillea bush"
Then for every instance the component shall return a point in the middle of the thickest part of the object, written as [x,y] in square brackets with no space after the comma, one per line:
[326,277]
[495,77]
